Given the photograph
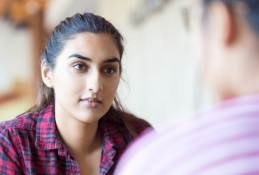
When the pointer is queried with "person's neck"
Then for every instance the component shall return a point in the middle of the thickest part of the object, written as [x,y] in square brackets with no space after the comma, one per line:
[245,83]
[80,138]
[248,91]
[241,77]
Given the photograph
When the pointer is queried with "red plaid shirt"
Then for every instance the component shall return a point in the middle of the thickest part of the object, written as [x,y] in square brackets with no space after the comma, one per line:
[30,144]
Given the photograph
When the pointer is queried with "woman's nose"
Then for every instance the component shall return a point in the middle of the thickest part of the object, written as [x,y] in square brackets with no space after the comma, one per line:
[94,82]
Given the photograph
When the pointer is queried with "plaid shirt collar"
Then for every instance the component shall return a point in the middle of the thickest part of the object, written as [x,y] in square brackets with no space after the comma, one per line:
[111,138]
[47,137]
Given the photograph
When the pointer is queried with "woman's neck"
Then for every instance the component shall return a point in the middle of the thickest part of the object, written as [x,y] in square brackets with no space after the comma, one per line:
[80,138]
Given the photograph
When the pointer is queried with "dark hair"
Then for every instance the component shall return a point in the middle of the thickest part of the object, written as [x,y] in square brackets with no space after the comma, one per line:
[252,5]
[65,31]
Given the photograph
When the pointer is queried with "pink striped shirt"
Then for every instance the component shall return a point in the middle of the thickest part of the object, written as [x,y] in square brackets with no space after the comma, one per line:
[222,140]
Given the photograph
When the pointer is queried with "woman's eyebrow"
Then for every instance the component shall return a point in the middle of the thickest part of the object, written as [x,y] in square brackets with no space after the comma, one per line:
[112,60]
[81,57]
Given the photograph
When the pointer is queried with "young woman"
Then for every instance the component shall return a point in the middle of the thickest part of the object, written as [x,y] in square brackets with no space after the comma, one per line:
[77,125]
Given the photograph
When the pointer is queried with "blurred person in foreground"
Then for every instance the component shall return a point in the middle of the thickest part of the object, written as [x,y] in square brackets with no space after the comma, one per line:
[77,125]
[223,139]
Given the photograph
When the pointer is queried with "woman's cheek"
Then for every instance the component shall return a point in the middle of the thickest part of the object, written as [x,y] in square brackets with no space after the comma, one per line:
[70,88]
[111,89]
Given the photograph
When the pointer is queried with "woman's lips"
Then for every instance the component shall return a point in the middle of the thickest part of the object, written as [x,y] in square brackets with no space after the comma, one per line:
[91,102]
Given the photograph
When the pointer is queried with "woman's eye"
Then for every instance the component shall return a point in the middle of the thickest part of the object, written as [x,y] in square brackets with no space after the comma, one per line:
[80,66]
[109,70]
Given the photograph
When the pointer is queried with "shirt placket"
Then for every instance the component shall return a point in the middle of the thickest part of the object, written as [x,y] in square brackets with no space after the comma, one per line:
[75,167]
[71,164]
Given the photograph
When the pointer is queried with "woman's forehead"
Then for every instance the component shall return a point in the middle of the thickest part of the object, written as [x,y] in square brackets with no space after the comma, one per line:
[93,40]
[92,45]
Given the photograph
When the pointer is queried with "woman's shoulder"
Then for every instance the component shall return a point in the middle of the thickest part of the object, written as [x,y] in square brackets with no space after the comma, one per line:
[15,136]
[14,132]
[135,124]
[141,126]
[27,121]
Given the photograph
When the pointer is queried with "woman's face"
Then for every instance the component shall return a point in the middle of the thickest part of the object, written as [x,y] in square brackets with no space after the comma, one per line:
[86,77]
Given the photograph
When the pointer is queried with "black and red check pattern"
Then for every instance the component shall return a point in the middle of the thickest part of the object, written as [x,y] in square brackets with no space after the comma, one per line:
[30,145]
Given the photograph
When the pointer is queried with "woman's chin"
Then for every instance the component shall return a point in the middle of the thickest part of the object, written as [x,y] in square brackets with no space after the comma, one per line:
[88,119]
[90,115]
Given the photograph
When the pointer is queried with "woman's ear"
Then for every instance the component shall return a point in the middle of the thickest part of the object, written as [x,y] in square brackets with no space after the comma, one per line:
[47,75]
[224,22]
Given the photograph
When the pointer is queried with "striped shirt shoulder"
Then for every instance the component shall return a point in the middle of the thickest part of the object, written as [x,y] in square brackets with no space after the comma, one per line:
[223,139]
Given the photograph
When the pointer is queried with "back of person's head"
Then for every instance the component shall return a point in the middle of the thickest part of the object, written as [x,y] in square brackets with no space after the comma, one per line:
[226,38]
[252,7]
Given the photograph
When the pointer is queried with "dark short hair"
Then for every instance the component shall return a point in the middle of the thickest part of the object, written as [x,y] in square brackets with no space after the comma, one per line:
[253,7]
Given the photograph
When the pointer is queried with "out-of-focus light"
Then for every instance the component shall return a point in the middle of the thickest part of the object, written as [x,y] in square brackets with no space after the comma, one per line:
[146,8]
[32,7]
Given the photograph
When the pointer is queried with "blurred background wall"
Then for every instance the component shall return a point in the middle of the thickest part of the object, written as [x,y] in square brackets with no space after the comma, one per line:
[161,78]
